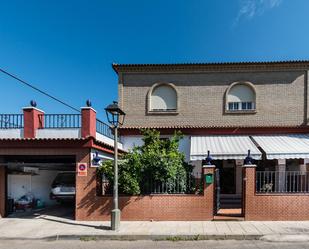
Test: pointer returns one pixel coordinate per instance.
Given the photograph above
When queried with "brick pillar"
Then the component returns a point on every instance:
(88, 122)
(280, 168)
(85, 186)
(33, 120)
(248, 189)
(2, 191)
(209, 188)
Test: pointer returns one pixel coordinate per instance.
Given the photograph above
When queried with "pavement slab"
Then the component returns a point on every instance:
(49, 227)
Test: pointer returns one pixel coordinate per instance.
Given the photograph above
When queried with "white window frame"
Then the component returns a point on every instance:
(237, 107)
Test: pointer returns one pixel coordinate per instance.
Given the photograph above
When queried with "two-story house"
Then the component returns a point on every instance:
(229, 109)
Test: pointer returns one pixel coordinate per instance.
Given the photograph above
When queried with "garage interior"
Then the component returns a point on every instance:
(28, 186)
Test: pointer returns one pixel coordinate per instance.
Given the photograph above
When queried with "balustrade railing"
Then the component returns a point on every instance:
(282, 182)
(104, 129)
(11, 121)
(60, 121)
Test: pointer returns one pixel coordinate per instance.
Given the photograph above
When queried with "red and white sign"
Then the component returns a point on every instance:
(82, 169)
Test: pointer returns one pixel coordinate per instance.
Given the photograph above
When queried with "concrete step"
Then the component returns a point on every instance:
(238, 205)
(230, 201)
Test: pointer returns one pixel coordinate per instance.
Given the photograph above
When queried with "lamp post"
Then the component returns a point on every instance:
(115, 117)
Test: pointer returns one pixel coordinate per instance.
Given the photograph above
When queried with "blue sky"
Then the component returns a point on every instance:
(66, 47)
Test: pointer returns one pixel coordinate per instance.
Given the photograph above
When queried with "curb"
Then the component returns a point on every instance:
(141, 237)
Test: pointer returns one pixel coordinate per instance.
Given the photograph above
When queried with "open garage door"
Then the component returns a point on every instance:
(40, 185)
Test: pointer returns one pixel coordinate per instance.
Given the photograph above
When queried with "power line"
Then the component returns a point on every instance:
(37, 89)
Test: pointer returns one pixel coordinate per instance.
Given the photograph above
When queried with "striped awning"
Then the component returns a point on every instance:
(223, 147)
(286, 146)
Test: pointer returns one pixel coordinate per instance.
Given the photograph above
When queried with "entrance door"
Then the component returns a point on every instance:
(227, 176)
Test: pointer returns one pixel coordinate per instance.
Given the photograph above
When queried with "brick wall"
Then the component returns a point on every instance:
(2, 191)
(272, 206)
(201, 97)
(153, 207)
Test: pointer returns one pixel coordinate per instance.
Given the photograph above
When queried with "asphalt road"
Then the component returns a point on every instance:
(76, 244)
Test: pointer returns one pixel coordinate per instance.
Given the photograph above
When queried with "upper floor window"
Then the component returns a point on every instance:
(163, 98)
(240, 97)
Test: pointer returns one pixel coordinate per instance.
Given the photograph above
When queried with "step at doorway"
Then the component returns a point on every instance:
(230, 201)
(229, 214)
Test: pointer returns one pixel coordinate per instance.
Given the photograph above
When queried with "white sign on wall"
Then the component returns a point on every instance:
(101, 155)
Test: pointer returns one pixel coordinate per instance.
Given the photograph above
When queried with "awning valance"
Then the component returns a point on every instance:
(223, 147)
(287, 146)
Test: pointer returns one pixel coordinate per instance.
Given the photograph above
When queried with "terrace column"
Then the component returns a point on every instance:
(89, 120)
(33, 120)
(280, 175)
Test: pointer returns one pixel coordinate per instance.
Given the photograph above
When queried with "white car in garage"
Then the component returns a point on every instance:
(63, 187)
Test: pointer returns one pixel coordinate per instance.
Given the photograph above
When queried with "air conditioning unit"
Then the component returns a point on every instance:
(32, 170)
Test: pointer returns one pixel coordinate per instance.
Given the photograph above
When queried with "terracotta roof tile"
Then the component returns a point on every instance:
(119, 67)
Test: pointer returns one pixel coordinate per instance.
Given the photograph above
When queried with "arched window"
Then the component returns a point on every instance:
(163, 97)
(240, 97)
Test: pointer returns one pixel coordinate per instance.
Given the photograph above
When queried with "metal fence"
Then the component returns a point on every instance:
(191, 184)
(180, 185)
(282, 182)
(104, 129)
(11, 121)
(173, 186)
(60, 120)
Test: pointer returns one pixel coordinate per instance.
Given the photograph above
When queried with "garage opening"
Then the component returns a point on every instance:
(40, 185)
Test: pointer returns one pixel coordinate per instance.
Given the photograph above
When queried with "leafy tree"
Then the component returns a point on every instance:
(157, 160)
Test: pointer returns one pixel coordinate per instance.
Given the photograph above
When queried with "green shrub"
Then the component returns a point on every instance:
(157, 160)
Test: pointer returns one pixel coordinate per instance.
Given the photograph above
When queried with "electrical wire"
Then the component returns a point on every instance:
(38, 90)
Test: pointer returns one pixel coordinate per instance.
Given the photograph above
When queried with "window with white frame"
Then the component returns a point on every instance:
(241, 97)
(163, 98)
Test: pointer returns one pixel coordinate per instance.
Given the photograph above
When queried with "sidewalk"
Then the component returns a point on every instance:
(49, 227)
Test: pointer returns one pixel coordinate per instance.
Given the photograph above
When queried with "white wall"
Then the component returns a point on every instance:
(59, 133)
(11, 133)
(108, 140)
(130, 141)
(38, 185)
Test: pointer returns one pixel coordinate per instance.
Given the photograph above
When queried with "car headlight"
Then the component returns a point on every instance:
(56, 190)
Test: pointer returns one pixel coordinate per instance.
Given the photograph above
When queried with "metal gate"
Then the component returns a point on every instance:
(217, 190)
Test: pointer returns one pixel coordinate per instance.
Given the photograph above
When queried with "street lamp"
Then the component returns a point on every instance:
(115, 117)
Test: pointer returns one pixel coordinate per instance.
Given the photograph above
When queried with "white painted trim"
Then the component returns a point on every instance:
(88, 108)
(31, 107)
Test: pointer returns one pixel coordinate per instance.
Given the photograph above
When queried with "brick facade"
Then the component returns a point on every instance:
(272, 206)
(151, 207)
(201, 97)
(2, 191)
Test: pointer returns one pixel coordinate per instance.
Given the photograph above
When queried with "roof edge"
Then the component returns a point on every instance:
(182, 66)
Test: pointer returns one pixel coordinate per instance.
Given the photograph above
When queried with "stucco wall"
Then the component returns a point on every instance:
(280, 98)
